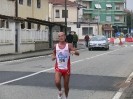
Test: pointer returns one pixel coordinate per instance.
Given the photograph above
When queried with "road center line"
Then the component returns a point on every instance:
(20, 78)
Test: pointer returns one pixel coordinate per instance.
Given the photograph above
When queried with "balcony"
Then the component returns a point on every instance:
(88, 11)
(116, 1)
(87, 0)
(119, 13)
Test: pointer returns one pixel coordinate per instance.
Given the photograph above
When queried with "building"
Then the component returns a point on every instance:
(75, 19)
(57, 14)
(25, 26)
(105, 14)
(7, 8)
(38, 9)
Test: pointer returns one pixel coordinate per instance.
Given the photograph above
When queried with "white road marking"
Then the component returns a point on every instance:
(7, 82)
(45, 70)
(18, 60)
(121, 90)
(117, 95)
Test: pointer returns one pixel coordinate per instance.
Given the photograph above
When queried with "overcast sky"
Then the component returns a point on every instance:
(130, 4)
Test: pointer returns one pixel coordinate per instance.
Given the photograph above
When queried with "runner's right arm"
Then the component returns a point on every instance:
(54, 53)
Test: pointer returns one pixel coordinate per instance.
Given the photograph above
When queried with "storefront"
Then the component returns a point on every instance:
(107, 30)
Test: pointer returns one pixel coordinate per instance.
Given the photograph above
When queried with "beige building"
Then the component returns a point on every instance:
(7, 7)
(33, 8)
(37, 9)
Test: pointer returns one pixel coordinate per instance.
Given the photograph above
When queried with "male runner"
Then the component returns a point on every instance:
(61, 53)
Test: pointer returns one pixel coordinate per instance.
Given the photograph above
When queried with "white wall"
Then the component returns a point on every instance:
(79, 30)
(72, 14)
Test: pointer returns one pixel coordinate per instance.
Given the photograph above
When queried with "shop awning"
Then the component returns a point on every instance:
(107, 28)
(97, 6)
(109, 5)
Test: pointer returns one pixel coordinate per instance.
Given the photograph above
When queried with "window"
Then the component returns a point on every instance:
(117, 18)
(108, 18)
(38, 3)
(20, 1)
(23, 25)
(68, 30)
(97, 6)
(117, 7)
(38, 27)
(90, 30)
(63, 13)
(2, 23)
(29, 25)
(57, 14)
(85, 30)
(7, 24)
(29, 2)
(97, 18)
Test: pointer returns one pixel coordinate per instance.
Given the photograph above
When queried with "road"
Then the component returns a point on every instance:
(95, 75)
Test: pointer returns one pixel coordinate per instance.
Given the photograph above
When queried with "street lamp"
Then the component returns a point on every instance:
(66, 17)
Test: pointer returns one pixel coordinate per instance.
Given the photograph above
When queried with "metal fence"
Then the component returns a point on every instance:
(33, 35)
(7, 36)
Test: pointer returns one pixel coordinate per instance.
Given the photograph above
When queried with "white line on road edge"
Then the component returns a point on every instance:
(20, 78)
(121, 90)
(25, 59)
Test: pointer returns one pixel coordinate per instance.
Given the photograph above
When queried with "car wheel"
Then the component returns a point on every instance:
(108, 48)
(89, 49)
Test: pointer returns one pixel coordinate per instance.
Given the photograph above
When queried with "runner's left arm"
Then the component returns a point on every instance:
(73, 50)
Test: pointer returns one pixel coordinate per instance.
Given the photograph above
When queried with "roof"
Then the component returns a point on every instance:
(31, 20)
(62, 2)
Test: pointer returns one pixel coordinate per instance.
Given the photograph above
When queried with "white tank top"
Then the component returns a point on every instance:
(62, 57)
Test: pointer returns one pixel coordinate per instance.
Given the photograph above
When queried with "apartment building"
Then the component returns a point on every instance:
(106, 14)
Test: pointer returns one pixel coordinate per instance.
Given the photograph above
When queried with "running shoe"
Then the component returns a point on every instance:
(60, 95)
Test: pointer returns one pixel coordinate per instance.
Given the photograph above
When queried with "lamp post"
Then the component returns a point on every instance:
(98, 16)
(66, 17)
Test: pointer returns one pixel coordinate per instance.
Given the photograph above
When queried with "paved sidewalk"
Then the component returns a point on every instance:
(128, 92)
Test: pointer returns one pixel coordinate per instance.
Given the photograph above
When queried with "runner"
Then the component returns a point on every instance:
(61, 53)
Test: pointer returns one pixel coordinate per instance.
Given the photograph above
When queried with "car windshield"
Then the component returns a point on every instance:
(98, 38)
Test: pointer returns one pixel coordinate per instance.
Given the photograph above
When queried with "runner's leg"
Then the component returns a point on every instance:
(66, 84)
(58, 80)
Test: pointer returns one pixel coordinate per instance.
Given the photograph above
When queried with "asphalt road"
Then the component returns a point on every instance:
(95, 75)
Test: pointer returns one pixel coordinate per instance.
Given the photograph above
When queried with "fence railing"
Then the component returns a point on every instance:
(33, 35)
(7, 36)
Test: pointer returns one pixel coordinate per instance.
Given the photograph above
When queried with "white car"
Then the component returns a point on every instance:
(98, 41)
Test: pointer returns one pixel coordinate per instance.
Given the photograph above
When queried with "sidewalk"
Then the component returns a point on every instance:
(128, 92)
(9, 57)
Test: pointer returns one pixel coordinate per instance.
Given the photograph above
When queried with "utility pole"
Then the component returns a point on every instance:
(98, 17)
(16, 8)
(66, 17)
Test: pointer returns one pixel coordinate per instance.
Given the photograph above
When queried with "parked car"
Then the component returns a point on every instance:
(98, 41)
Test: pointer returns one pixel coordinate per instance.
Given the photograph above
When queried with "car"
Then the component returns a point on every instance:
(98, 41)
